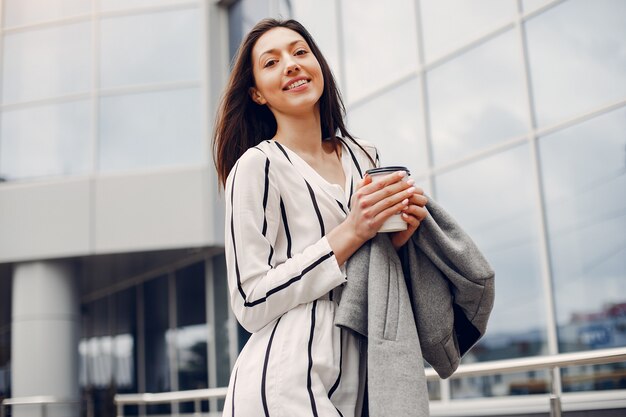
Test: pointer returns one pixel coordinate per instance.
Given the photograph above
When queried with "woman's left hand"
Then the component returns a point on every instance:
(414, 214)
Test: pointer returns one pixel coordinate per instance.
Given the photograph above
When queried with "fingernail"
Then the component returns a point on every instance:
(411, 182)
(405, 201)
(402, 174)
(410, 190)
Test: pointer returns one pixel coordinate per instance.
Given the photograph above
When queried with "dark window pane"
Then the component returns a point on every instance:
(191, 332)
(157, 336)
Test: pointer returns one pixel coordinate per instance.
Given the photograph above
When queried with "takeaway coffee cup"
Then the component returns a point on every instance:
(395, 222)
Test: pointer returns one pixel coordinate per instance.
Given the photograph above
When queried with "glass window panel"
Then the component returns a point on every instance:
(125, 341)
(151, 130)
(519, 383)
(46, 62)
(5, 364)
(398, 135)
(374, 55)
(157, 340)
(319, 18)
(192, 332)
(493, 200)
(222, 307)
(609, 376)
(24, 12)
(477, 99)
(106, 5)
(151, 48)
(60, 143)
(450, 24)
(96, 347)
(584, 170)
(242, 16)
(502, 220)
(575, 62)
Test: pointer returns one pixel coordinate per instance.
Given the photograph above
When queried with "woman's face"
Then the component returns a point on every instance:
(288, 78)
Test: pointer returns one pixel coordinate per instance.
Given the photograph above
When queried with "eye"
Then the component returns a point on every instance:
(301, 52)
(269, 63)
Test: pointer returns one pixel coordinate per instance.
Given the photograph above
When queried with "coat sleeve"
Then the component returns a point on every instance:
(451, 285)
(260, 289)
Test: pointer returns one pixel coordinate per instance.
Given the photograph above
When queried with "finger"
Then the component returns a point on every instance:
(393, 178)
(382, 216)
(418, 200)
(412, 221)
(388, 200)
(367, 179)
(420, 213)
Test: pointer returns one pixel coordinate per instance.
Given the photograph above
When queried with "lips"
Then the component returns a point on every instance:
(295, 83)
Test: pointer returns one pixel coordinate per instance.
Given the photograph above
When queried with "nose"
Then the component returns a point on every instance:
(291, 66)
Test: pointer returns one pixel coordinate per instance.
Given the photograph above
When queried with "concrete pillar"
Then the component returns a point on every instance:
(44, 343)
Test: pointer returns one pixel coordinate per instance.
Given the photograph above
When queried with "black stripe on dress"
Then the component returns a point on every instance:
(317, 210)
(286, 224)
(356, 162)
(233, 395)
(313, 199)
(264, 377)
(351, 191)
(336, 384)
(288, 283)
(265, 193)
(232, 232)
(283, 151)
(341, 207)
(269, 258)
(308, 376)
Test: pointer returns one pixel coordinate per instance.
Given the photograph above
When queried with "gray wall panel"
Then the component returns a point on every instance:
(151, 211)
(44, 220)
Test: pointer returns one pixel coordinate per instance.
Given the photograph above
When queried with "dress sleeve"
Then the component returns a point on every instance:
(260, 290)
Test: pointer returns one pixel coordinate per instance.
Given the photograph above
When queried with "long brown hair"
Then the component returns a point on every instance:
(242, 123)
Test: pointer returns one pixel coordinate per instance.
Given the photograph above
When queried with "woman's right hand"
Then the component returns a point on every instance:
(371, 205)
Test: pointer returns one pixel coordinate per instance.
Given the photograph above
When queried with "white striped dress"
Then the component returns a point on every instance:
(281, 276)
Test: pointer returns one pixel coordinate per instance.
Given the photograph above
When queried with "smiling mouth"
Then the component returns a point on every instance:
(296, 84)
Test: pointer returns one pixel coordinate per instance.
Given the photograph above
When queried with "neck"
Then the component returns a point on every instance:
(300, 133)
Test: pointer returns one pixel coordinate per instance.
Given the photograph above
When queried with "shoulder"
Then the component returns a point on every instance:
(251, 164)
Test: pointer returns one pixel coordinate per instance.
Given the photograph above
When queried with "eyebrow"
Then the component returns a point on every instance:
(273, 50)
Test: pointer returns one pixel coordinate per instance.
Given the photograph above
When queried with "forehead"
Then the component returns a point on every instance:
(276, 38)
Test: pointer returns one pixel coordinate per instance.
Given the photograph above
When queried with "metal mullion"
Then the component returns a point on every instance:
(209, 292)
(207, 191)
(47, 24)
(46, 101)
(340, 49)
(95, 121)
(1, 74)
(540, 206)
(426, 128)
(140, 11)
(444, 384)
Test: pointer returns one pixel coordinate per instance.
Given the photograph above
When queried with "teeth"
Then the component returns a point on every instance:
(296, 84)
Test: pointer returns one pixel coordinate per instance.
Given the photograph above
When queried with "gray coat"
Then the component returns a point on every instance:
(430, 301)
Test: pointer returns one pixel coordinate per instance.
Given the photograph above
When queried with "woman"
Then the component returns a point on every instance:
(297, 207)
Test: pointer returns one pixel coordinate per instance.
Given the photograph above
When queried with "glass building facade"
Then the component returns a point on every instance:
(510, 113)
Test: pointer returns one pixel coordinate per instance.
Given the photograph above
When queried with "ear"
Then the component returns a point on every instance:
(256, 96)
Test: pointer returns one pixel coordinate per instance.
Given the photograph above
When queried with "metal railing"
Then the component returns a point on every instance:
(553, 362)
(196, 396)
(41, 400)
